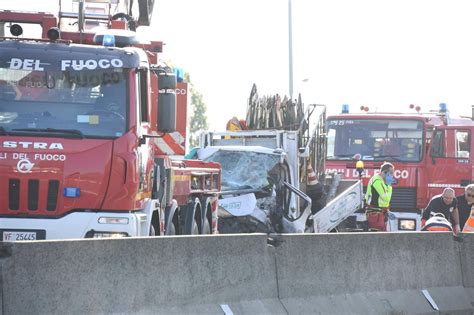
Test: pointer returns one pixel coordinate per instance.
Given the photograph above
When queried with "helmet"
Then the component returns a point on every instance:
(438, 223)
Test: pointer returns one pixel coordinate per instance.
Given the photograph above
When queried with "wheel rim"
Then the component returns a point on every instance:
(152, 231)
(206, 229)
(195, 229)
(171, 229)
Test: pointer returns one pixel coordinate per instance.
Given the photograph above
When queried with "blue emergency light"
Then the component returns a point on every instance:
(442, 107)
(179, 74)
(71, 192)
(108, 40)
(345, 109)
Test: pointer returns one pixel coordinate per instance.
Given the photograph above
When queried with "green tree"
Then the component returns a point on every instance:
(198, 120)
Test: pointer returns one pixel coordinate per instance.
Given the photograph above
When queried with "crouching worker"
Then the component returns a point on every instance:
(444, 204)
(378, 196)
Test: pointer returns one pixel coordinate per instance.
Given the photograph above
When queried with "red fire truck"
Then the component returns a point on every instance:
(430, 151)
(92, 131)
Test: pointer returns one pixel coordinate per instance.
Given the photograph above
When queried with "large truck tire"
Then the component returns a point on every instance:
(172, 219)
(152, 231)
(191, 214)
(171, 228)
(206, 216)
(154, 224)
(206, 227)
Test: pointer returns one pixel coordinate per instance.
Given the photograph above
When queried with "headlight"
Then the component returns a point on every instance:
(407, 224)
(96, 234)
(113, 220)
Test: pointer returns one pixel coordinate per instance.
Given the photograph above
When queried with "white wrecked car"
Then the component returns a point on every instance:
(258, 191)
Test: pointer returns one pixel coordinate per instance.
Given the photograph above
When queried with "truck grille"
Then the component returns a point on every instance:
(14, 194)
(403, 199)
(32, 190)
(52, 195)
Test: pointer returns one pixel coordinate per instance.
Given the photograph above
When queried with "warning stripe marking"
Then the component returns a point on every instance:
(445, 185)
(177, 148)
(170, 144)
(163, 146)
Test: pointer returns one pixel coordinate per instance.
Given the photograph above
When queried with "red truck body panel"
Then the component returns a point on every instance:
(114, 172)
(418, 179)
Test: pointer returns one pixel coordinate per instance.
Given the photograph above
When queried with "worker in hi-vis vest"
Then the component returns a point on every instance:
(466, 209)
(378, 196)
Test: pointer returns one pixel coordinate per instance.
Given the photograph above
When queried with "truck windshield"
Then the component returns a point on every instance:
(242, 170)
(91, 103)
(375, 139)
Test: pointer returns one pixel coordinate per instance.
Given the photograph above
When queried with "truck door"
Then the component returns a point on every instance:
(462, 161)
(458, 158)
(437, 166)
(451, 160)
(145, 156)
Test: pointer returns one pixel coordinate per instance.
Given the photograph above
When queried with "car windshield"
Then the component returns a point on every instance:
(375, 139)
(91, 103)
(243, 170)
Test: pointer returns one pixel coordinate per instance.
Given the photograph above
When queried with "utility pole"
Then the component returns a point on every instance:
(290, 50)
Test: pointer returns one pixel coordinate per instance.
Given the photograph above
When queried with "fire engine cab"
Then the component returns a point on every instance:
(88, 123)
(430, 151)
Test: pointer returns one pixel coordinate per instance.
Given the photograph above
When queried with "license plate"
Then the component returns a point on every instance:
(14, 236)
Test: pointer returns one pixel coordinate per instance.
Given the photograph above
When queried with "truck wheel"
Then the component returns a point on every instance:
(152, 231)
(207, 215)
(192, 215)
(171, 229)
(206, 227)
(154, 224)
(195, 228)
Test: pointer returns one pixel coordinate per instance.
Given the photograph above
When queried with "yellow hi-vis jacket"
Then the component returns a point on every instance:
(378, 193)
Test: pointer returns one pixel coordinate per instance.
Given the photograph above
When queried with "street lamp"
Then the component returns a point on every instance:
(290, 51)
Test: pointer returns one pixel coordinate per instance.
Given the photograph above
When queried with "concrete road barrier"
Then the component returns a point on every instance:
(240, 274)
(137, 275)
(467, 265)
(373, 273)
(467, 259)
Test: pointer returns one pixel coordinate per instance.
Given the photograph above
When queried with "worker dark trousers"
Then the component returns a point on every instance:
(376, 218)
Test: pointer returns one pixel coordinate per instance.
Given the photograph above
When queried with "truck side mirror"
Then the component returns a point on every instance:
(166, 102)
(166, 111)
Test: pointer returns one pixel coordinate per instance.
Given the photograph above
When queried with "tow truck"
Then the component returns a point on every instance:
(265, 171)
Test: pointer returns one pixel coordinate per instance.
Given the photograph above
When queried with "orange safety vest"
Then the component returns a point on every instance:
(469, 225)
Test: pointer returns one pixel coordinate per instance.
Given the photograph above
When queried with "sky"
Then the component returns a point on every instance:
(382, 54)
